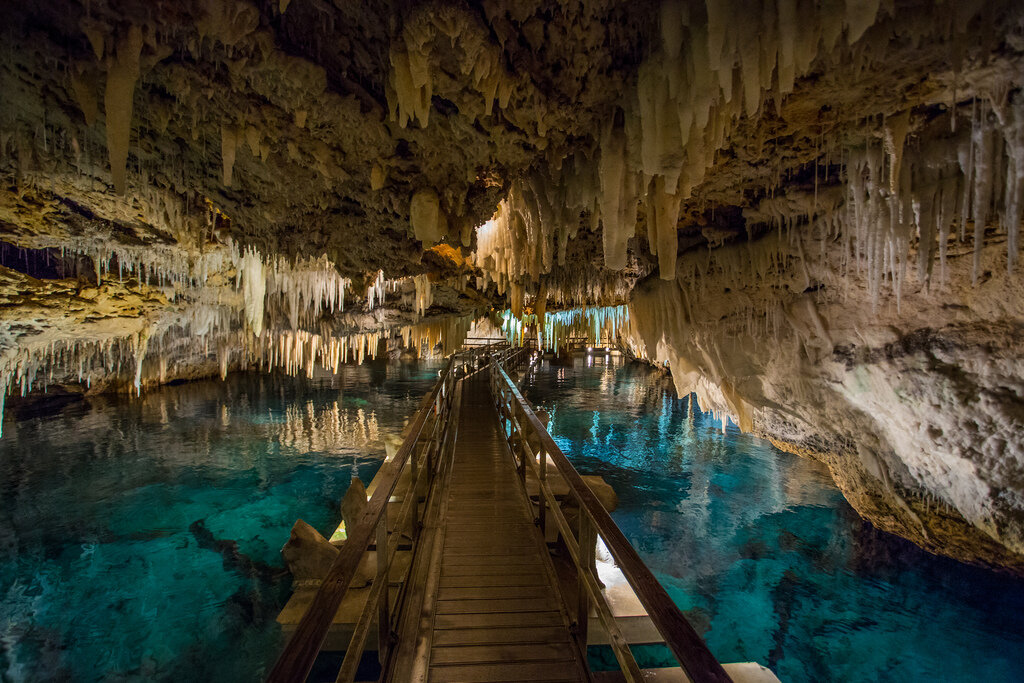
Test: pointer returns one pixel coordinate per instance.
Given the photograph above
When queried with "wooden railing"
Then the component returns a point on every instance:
(576, 344)
(427, 444)
(474, 342)
(521, 427)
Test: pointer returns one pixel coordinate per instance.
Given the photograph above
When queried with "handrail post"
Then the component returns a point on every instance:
(430, 444)
(519, 436)
(585, 542)
(542, 478)
(415, 485)
(383, 611)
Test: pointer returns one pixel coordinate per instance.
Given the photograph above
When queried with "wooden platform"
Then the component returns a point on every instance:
(496, 613)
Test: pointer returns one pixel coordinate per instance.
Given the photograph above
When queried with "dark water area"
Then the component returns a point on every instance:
(140, 537)
(762, 552)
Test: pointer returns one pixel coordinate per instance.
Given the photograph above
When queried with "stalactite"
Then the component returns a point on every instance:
(423, 293)
(427, 220)
(228, 143)
(122, 73)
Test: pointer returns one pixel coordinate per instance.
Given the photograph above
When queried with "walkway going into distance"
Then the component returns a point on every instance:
(480, 538)
(497, 612)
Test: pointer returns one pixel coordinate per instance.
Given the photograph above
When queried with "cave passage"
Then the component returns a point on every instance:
(807, 214)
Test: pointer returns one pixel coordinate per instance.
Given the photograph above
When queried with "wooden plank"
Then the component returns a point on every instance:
(457, 549)
(471, 524)
(505, 506)
(503, 652)
(512, 538)
(479, 545)
(483, 483)
(473, 497)
(507, 634)
(499, 673)
(497, 531)
(490, 606)
(495, 535)
(496, 592)
(510, 579)
(498, 620)
(452, 569)
(460, 559)
(492, 511)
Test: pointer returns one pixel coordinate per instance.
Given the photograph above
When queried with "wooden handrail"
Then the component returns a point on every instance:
(296, 660)
(688, 647)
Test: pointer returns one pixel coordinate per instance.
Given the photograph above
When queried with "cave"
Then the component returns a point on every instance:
(763, 257)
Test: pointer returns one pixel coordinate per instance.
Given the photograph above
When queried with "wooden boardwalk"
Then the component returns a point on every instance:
(497, 611)
(479, 599)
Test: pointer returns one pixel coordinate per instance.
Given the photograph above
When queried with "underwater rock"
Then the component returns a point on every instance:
(392, 442)
(354, 503)
(308, 554)
(603, 490)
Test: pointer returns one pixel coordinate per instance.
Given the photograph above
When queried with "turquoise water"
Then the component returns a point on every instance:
(763, 553)
(140, 538)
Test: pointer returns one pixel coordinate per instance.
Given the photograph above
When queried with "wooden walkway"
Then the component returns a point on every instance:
(497, 612)
(479, 599)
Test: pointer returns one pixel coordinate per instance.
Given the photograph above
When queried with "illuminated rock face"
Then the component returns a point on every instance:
(917, 410)
(812, 208)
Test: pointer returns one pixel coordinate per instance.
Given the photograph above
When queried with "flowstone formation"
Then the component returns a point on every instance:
(808, 209)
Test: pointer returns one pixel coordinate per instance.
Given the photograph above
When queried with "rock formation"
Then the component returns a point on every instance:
(811, 208)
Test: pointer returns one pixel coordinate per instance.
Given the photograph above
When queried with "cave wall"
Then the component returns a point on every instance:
(915, 407)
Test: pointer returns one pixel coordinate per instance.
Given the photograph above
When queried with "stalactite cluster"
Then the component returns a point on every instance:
(810, 209)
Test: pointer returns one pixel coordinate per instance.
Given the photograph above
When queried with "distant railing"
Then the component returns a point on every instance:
(576, 344)
(520, 426)
(428, 442)
(473, 342)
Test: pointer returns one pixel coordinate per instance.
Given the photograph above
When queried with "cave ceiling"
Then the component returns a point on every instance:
(283, 117)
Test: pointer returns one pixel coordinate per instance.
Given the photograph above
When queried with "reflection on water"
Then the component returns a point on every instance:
(140, 538)
(763, 553)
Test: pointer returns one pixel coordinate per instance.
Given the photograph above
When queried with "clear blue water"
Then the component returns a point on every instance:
(140, 538)
(763, 554)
